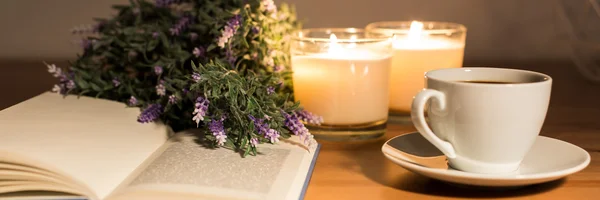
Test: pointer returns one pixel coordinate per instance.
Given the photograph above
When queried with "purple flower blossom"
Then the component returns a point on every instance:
(158, 70)
(270, 90)
(85, 43)
(198, 51)
(278, 68)
(196, 76)
(269, 5)
(172, 99)
(309, 117)
(155, 35)
(230, 57)
(255, 29)
(293, 123)
(165, 3)
(180, 26)
(116, 82)
(70, 84)
(55, 71)
(56, 88)
(201, 109)
(133, 101)
(160, 89)
(185, 91)
(217, 129)
(86, 29)
(98, 27)
(254, 142)
(229, 30)
(151, 113)
(263, 129)
(193, 36)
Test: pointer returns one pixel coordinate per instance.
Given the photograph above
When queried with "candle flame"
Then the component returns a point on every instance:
(352, 40)
(416, 30)
(334, 47)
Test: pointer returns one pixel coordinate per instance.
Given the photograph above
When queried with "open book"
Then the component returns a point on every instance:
(85, 148)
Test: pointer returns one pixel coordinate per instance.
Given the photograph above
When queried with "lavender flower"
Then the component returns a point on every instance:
(155, 35)
(254, 142)
(116, 82)
(217, 129)
(268, 6)
(180, 26)
(263, 129)
(309, 117)
(172, 99)
(151, 113)
(70, 84)
(293, 123)
(255, 29)
(165, 3)
(160, 88)
(193, 36)
(133, 101)
(270, 90)
(196, 76)
(83, 29)
(278, 68)
(229, 30)
(201, 110)
(85, 43)
(57, 89)
(198, 51)
(230, 57)
(98, 27)
(268, 61)
(55, 71)
(158, 70)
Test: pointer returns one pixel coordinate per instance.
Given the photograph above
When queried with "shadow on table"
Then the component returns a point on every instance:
(419, 184)
(376, 167)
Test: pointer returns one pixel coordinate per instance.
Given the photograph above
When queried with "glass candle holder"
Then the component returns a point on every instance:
(418, 47)
(342, 75)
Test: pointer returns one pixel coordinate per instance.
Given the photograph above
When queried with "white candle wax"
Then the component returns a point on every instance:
(412, 58)
(344, 88)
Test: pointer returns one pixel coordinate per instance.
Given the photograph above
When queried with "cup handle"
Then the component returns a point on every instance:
(418, 118)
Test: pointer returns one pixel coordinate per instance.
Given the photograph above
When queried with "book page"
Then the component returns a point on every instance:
(186, 168)
(94, 142)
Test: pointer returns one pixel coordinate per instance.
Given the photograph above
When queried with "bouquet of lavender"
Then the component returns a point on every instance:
(221, 66)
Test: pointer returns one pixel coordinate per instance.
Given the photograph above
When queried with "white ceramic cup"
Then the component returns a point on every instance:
(482, 127)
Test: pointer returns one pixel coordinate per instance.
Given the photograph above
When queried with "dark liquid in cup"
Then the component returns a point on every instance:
(490, 82)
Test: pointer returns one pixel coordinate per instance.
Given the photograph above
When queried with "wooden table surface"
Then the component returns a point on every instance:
(360, 171)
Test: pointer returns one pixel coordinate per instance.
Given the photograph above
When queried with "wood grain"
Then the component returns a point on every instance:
(358, 170)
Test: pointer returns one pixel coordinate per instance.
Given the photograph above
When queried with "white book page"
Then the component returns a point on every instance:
(96, 142)
(187, 170)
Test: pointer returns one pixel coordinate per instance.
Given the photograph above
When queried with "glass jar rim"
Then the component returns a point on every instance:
(373, 37)
(453, 28)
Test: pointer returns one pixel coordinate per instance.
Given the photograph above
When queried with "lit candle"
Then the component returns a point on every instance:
(417, 50)
(346, 82)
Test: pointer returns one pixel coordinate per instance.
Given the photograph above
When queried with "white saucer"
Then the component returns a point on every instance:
(549, 159)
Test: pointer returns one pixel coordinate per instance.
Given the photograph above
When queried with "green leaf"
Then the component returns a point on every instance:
(81, 83)
(95, 87)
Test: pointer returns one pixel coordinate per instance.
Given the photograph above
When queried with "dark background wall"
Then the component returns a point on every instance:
(507, 30)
